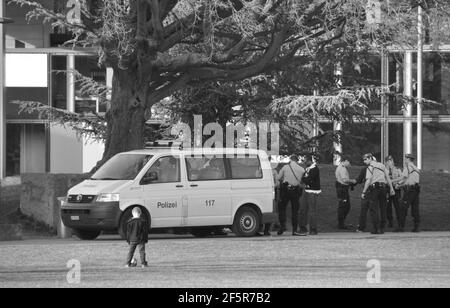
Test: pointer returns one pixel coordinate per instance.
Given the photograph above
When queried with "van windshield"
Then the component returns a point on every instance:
(122, 167)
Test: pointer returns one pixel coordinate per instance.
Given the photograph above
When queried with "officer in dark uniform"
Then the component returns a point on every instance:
(411, 192)
(376, 188)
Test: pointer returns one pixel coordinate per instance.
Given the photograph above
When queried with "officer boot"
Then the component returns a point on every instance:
(375, 229)
(282, 229)
(416, 228)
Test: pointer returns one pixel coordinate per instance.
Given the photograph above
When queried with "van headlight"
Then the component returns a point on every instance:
(107, 198)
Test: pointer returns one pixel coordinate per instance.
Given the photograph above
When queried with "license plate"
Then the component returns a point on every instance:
(75, 218)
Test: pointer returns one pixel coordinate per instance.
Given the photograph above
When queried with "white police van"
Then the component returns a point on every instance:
(197, 190)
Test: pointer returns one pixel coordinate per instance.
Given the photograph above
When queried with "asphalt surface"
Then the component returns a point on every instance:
(326, 260)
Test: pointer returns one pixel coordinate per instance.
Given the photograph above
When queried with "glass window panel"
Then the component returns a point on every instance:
(360, 139)
(436, 83)
(205, 168)
(326, 142)
(59, 82)
(245, 168)
(13, 132)
(396, 142)
(24, 94)
(167, 168)
(87, 102)
(436, 146)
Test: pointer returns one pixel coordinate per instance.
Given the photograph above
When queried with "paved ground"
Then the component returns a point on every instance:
(328, 260)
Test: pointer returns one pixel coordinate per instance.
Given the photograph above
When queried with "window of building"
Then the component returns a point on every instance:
(361, 138)
(26, 70)
(436, 83)
(13, 132)
(436, 146)
(59, 81)
(395, 131)
(85, 103)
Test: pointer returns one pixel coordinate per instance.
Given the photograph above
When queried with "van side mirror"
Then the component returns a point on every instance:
(149, 178)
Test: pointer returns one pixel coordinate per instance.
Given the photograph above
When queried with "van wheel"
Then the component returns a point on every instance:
(87, 235)
(201, 232)
(246, 222)
(123, 223)
(124, 220)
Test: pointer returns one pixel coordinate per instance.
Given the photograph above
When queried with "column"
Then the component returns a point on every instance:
(337, 144)
(315, 128)
(419, 89)
(384, 107)
(408, 112)
(2, 96)
(71, 82)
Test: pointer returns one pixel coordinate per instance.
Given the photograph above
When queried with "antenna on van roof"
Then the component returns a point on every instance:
(164, 144)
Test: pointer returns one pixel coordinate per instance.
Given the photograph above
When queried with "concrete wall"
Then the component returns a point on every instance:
(40, 193)
(70, 154)
(10, 189)
(65, 151)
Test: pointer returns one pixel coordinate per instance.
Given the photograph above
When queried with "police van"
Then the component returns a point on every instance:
(194, 190)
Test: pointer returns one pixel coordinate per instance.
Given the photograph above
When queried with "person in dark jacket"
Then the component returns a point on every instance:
(308, 212)
(137, 236)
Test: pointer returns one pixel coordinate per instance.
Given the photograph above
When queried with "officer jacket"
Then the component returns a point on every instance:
(412, 175)
(292, 174)
(376, 173)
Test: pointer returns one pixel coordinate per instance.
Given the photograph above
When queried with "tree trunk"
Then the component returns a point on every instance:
(126, 117)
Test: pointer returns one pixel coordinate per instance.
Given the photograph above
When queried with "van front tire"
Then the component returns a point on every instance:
(87, 235)
(246, 222)
(126, 217)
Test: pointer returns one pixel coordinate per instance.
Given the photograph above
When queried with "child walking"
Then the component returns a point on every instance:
(137, 236)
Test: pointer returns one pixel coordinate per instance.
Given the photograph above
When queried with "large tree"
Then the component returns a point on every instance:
(157, 47)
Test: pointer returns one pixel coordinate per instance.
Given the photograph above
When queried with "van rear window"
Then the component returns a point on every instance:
(246, 168)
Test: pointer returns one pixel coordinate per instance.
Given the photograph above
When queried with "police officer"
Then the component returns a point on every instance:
(411, 192)
(290, 176)
(343, 183)
(396, 177)
(375, 190)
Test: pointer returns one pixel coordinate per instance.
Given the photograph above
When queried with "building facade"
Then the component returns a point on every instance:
(34, 62)
(38, 69)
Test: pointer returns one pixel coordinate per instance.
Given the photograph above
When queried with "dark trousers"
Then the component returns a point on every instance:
(377, 195)
(141, 247)
(308, 212)
(365, 205)
(411, 199)
(293, 196)
(394, 204)
(344, 203)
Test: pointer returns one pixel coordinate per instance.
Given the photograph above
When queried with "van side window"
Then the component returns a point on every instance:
(205, 168)
(167, 168)
(246, 168)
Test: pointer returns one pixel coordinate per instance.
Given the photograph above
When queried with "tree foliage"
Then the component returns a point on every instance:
(160, 47)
